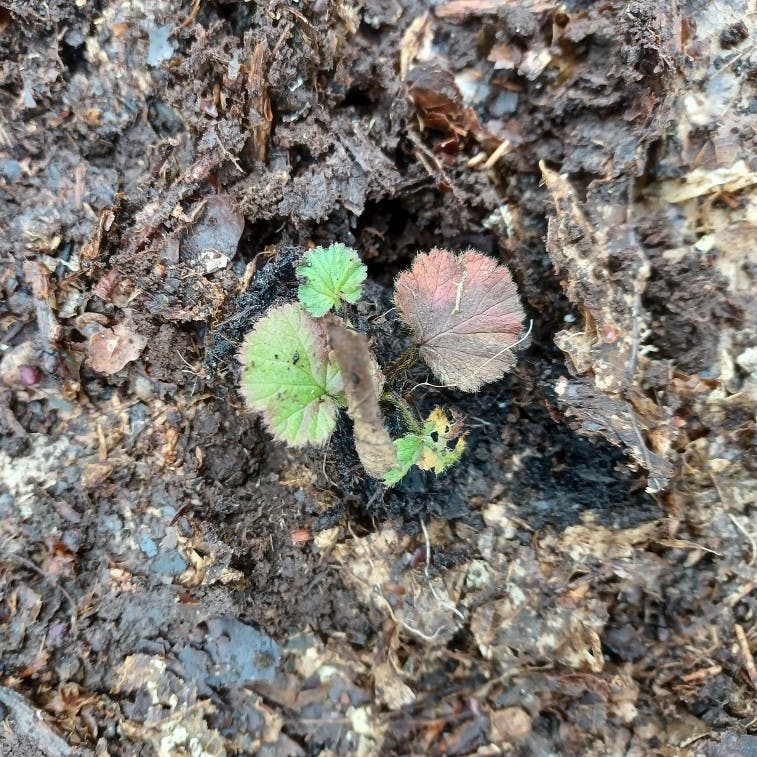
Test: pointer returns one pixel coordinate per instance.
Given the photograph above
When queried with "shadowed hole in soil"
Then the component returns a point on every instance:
(550, 473)
(72, 54)
(389, 236)
(361, 99)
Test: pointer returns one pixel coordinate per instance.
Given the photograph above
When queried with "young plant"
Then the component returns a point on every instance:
(301, 364)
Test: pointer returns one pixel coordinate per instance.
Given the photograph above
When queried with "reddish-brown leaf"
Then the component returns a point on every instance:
(465, 313)
(111, 349)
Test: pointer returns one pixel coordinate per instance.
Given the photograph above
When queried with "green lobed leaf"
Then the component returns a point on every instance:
(331, 275)
(409, 449)
(429, 450)
(288, 378)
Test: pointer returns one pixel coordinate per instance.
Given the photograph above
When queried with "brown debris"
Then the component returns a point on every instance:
(604, 352)
(440, 106)
(510, 724)
(110, 350)
(534, 599)
(594, 412)
(27, 728)
(416, 43)
(259, 111)
(362, 385)
(459, 10)
(49, 329)
(746, 653)
(93, 247)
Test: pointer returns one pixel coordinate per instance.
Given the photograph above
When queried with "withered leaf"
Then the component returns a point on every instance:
(593, 412)
(465, 313)
(362, 385)
(439, 103)
(111, 349)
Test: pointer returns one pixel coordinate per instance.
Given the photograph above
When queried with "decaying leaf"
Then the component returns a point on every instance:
(605, 350)
(362, 385)
(175, 717)
(593, 412)
(391, 690)
(288, 378)
(704, 181)
(112, 349)
(465, 313)
(375, 565)
(91, 249)
(440, 105)
(430, 449)
(331, 275)
(510, 629)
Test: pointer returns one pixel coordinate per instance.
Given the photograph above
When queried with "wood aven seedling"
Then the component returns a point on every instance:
(303, 364)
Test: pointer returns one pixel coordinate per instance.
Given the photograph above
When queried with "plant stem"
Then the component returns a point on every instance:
(407, 412)
(402, 363)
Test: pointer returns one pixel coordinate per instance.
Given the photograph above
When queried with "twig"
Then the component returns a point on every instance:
(748, 536)
(700, 675)
(504, 147)
(693, 739)
(746, 653)
(728, 64)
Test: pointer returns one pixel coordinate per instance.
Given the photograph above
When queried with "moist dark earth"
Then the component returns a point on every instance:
(173, 581)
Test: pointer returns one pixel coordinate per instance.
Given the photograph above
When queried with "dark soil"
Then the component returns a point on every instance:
(174, 582)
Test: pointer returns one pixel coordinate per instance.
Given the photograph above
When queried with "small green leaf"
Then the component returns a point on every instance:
(438, 432)
(429, 450)
(409, 449)
(331, 275)
(287, 376)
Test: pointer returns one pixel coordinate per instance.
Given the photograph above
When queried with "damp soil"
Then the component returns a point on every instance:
(173, 581)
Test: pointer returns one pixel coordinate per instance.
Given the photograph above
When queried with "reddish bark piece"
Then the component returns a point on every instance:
(465, 313)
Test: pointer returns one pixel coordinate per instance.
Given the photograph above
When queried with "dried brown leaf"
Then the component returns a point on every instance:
(440, 105)
(465, 313)
(362, 386)
(111, 349)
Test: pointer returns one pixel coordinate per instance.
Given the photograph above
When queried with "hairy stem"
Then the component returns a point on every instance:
(403, 363)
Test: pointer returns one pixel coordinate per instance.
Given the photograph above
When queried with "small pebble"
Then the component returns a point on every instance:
(12, 170)
(147, 545)
(30, 375)
(510, 724)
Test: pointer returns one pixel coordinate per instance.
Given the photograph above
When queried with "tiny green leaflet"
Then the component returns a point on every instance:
(429, 449)
(331, 275)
